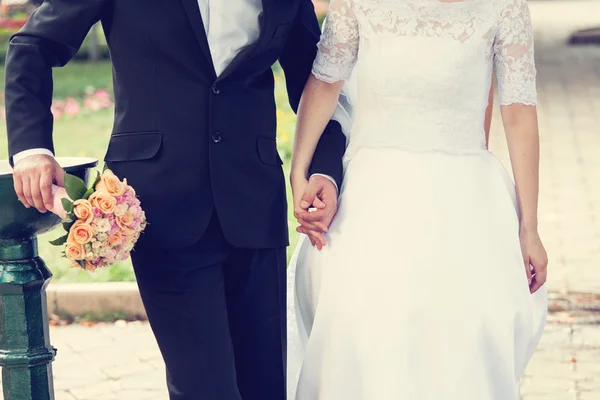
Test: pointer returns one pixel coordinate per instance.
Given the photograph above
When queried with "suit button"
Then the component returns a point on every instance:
(216, 90)
(216, 137)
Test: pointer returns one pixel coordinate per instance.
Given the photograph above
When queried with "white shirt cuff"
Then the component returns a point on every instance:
(330, 178)
(32, 152)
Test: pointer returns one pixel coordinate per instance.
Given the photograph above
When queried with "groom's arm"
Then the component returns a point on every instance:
(50, 38)
(297, 60)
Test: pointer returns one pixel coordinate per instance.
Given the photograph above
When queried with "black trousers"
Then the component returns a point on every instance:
(219, 316)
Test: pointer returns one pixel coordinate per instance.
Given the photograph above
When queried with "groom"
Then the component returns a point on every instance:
(195, 134)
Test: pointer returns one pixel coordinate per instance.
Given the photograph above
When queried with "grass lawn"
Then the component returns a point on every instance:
(72, 80)
(87, 134)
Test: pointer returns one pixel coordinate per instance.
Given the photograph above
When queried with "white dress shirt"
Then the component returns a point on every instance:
(230, 27)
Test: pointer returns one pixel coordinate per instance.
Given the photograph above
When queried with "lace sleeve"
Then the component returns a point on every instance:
(338, 48)
(513, 55)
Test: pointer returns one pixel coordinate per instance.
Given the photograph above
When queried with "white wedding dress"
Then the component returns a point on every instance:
(421, 293)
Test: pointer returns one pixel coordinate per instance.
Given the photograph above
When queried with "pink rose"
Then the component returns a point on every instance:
(114, 228)
(135, 210)
(111, 254)
(97, 213)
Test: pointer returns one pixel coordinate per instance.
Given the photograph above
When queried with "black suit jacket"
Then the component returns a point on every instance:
(188, 142)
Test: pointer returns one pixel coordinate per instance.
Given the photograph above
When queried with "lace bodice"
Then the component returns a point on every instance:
(424, 67)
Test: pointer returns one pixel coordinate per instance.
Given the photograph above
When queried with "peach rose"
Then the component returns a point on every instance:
(129, 189)
(126, 222)
(81, 232)
(83, 210)
(110, 184)
(127, 231)
(74, 250)
(115, 240)
(125, 219)
(104, 201)
(130, 237)
(89, 266)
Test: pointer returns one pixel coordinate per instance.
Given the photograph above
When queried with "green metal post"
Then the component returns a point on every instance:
(25, 351)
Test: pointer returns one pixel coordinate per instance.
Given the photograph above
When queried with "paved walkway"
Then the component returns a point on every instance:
(121, 361)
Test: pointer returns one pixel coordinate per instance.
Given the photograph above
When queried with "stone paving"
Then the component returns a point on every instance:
(121, 361)
(108, 362)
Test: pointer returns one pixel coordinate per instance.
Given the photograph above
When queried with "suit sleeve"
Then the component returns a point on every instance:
(297, 61)
(50, 38)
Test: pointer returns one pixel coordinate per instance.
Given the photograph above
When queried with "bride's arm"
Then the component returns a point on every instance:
(516, 77)
(521, 126)
(488, 115)
(317, 105)
(335, 60)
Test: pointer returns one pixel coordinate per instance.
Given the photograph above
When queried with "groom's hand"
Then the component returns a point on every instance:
(321, 195)
(33, 178)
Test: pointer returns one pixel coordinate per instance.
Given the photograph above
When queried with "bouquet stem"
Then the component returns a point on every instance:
(58, 194)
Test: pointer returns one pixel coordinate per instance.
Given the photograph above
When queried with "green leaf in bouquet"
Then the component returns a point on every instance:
(88, 193)
(81, 263)
(68, 224)
(75, 187)
(97, 179)
(67, 204)
(60, 241)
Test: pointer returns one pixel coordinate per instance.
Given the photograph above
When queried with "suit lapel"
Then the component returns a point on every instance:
(193, 12)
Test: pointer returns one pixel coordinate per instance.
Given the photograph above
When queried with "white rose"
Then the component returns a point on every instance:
(121, 210)
(102, 225)
(102, 237)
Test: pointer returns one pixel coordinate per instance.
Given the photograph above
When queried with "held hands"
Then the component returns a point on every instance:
(534, 255)
(318, 193)
(33, 179)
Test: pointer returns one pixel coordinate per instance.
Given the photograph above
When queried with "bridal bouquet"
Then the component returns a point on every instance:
(103, 222)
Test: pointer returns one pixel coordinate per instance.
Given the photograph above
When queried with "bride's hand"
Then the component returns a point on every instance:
(321, 194)
(534, 255)
(299, 184)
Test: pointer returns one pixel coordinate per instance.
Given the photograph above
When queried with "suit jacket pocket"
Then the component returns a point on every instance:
(133, 146)
(267, 151)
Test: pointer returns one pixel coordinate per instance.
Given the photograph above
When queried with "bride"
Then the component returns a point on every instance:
(431, 286)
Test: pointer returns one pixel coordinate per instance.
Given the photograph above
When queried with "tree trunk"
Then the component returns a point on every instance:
(93, 45)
